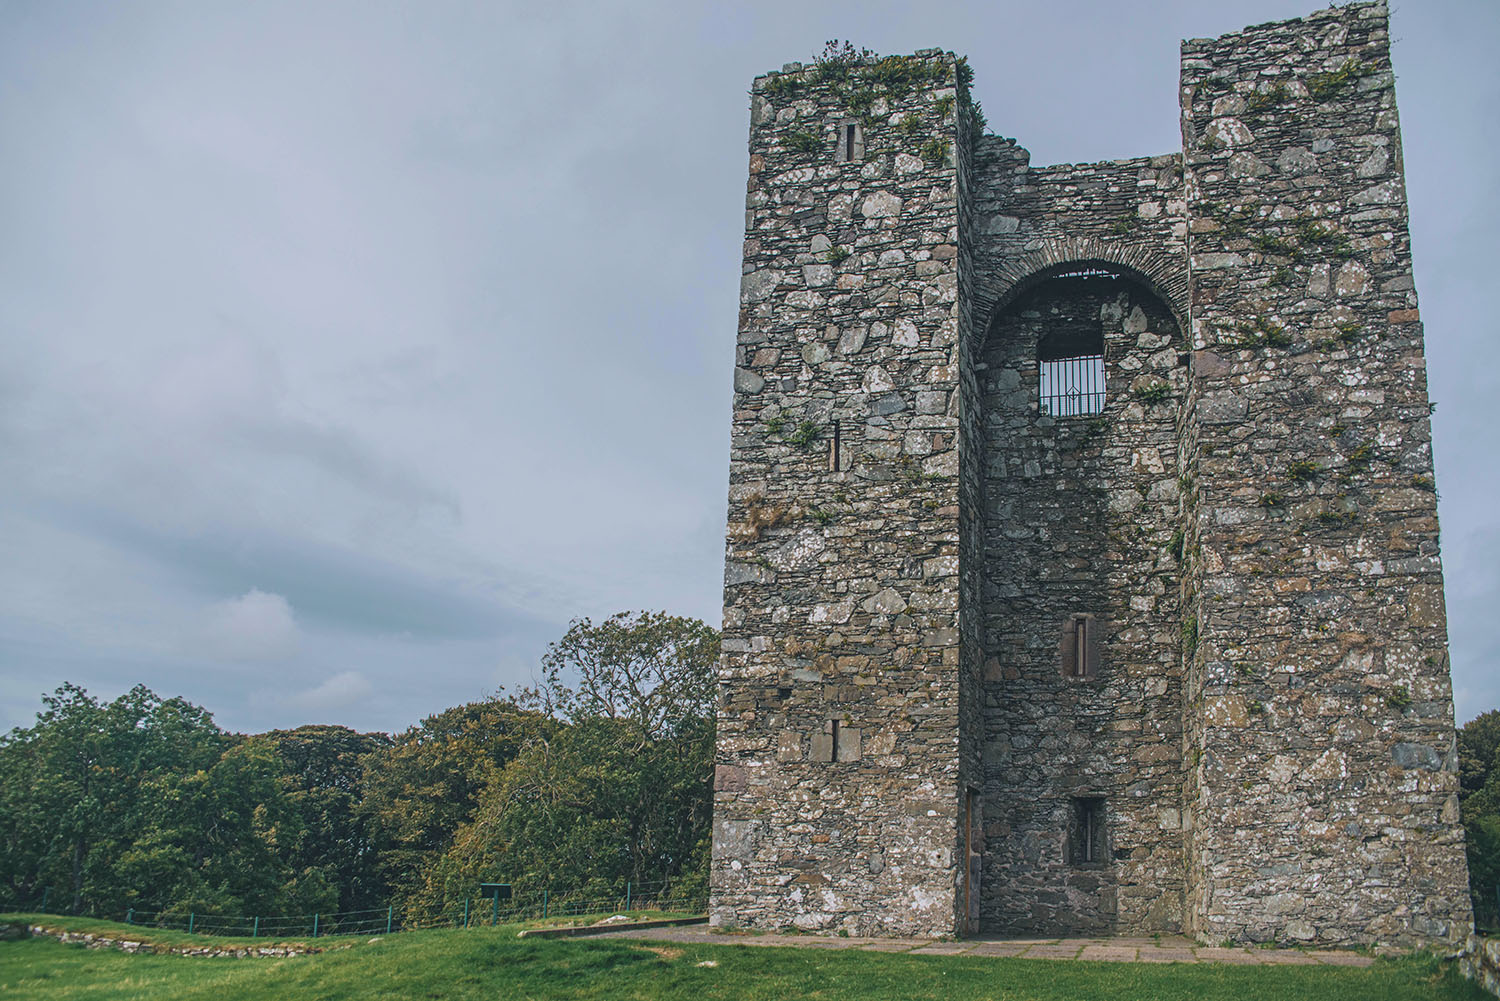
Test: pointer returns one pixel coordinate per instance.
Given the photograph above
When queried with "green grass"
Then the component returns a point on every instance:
(492, 963)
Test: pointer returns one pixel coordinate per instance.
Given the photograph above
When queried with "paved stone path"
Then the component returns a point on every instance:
(1166, 949)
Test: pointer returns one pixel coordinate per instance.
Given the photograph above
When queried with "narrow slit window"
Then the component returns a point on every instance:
(851, 142)
(1080, 647)
(1072, 373)
(1087, 840)
(833, 449)
(833, 729)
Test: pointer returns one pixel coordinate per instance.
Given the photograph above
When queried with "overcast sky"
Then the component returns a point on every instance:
(349, 350)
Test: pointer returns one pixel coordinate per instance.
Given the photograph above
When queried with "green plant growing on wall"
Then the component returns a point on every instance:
(1174, 545)
(897, 76)
(783, 87)
(838, 59)
(1123, 224)
(972, 110)
(837, 255)
(1326, 237)
(1233, 222)
(801, 141)
(807, 432)
(1261, 99)
(1336, 519)
(1345, 333)
(1276, 246)
(775, 424)
(1258, 332)
(1303, 471)
(935, 152)
(911, 125)
(860, 100)
(1153, 392)
(1422, 482)
(1189, 636)
(821, 515)
(1271, 500)
(1360, 459)
(1398, 697)
(1322, 86)
(943, 106)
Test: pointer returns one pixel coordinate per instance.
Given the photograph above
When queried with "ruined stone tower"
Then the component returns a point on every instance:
(1082, 562)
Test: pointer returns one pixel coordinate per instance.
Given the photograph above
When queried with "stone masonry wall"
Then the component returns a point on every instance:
(1082, 512)
(837, 770)
(1251, 521)
(1081, 515)
(1320, 752)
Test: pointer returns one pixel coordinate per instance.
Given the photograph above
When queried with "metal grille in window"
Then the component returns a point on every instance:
(1073, 386)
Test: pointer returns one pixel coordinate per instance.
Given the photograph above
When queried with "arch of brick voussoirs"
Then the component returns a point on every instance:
(1167, 279)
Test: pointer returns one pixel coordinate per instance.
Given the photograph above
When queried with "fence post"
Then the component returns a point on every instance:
(627, 894)
(129, 913)
(192, 917)
(388, 911)
(46, 892)
(544, 903)
(315, 926)
(255, 929)
(466, 912)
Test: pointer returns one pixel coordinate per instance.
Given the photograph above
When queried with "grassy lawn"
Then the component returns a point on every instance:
(492, 963)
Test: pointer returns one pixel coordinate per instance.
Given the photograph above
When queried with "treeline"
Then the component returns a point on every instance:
(598, 775)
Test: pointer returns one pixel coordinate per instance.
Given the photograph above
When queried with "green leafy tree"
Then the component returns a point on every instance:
(419, 790)
(213, 840)
(1479, 793)
(616, 786)
(328, 849)
(74, 790)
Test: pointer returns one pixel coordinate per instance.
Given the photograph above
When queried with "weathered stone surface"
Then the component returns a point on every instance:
(1255, 722)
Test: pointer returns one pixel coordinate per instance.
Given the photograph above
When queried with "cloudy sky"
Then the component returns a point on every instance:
(349, 350)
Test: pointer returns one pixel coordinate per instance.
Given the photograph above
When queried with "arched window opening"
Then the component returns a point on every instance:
(1072, 372)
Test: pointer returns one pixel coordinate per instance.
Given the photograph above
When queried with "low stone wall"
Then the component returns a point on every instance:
(1482, 964)
(90, 940)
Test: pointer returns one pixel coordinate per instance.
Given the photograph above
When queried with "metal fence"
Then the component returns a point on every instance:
(467, 912)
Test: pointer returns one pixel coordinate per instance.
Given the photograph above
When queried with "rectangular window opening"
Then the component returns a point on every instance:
(1080, 647)
(1072, 387)
(833, 449)
(849, 142)
(1087, 841)
(833, 729)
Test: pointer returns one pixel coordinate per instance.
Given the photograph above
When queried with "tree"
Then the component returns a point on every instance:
(210, 840)
(328, 849)
(72, 789)
(617, 786)
(421, 788)
(1479, 795)
(649, 669)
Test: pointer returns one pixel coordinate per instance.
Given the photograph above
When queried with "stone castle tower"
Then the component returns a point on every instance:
(1082, 560)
